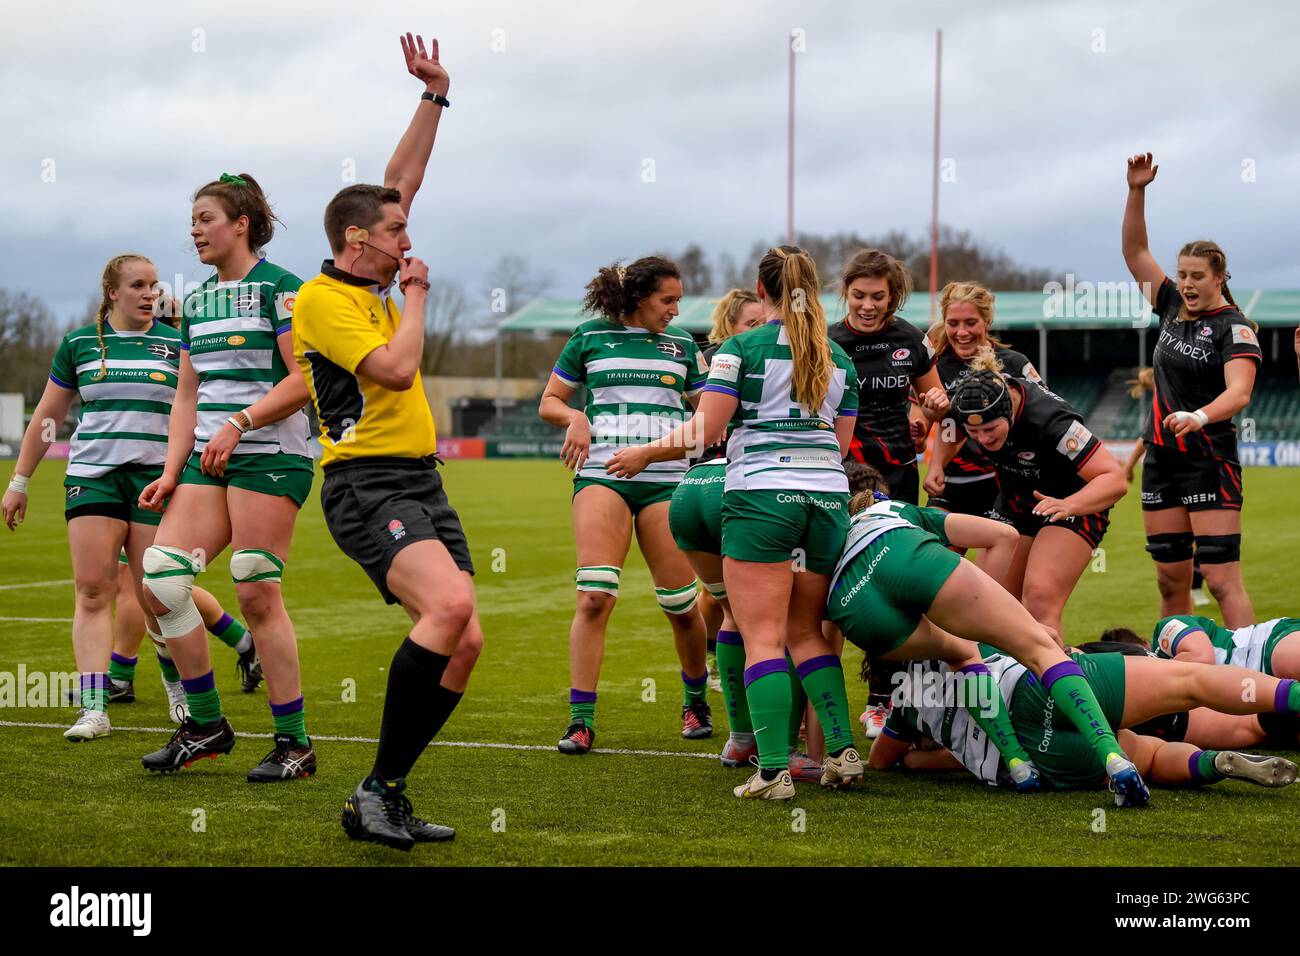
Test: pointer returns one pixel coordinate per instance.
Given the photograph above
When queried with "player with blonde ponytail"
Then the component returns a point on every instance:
(789, 396)
(123, 367)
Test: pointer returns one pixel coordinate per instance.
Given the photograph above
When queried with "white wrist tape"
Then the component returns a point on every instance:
(18, 483)
(1197, 416)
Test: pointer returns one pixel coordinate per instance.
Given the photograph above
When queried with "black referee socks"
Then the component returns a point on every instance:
(415, 708)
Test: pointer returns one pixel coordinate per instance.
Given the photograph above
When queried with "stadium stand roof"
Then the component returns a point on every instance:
(1085, 306)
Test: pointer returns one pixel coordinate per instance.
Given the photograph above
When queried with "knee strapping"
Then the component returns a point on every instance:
(160, 645)
(1170, 548)
(719, 590)
(678, 600)
(250, 565)
(169, 576)
(602, 578)
(1218, 548)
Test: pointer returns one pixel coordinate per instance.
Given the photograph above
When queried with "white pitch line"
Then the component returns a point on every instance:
(467, 744)
(38, 620)
(35, 584)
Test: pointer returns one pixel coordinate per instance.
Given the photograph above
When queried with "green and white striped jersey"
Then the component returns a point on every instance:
(637, 385)
(870, 523)
(927, 702)
(124, 414)
(230, 330)
(775, 442)
(1247, 646)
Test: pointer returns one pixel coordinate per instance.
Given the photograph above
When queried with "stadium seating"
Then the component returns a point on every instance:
(1081, 391)
(1274, 407)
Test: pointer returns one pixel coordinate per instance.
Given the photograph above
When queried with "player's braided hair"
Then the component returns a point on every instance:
(617, 290)
(789, 276)
(241, 196)
(109, 281)
(983, 395)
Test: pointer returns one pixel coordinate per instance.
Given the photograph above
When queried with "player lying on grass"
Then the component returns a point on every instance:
(790, 397)
(123, 368)
(900, 593)
(1130, 690)
(642, 377)
(1201, 726)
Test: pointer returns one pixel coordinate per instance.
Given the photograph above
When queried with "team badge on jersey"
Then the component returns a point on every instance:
(247, 301)
(397, 529)
(1168, 636)
(284, 305)
(1205, 332)
(726, 367)
(162, 350)
(1244, 333)
(1074, 440)
(669, 347)
(901, 354)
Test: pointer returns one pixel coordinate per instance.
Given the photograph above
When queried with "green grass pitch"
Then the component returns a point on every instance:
(93, 803)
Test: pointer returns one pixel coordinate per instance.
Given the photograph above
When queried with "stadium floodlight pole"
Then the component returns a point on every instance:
(789, 177)
(934, 192)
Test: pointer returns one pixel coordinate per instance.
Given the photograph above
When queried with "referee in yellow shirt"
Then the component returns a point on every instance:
(382, 495)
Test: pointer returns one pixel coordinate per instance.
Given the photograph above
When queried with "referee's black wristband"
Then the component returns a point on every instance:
(436, 98)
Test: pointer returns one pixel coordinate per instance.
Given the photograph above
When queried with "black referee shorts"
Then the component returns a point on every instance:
(375, 507)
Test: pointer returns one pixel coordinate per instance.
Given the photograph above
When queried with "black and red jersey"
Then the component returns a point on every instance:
(887, 363)
(1046, 446)
(969, 462)
(1189, 359)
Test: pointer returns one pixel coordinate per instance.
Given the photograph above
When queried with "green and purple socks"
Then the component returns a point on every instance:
(291, 719)
(1073, 695)
(582, 707)
(983, 700)
(94, 691)
(202, 698)
(823, 682)
(1201, 766)
(731, 672)
(231, 633)
(695, 689)
(767, 688)
(122, 668)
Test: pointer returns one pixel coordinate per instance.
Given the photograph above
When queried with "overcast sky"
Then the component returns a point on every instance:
(557, 106)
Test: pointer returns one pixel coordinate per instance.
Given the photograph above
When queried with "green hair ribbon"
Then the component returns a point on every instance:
(233, 180)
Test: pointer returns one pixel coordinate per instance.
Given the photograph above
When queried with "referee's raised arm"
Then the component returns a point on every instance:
(405, 171)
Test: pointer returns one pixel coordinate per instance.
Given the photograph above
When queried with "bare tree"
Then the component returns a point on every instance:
(444, 319)
(27, 342)
(512, 284)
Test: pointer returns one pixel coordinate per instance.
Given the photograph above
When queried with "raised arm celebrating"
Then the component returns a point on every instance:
(1137, 254)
